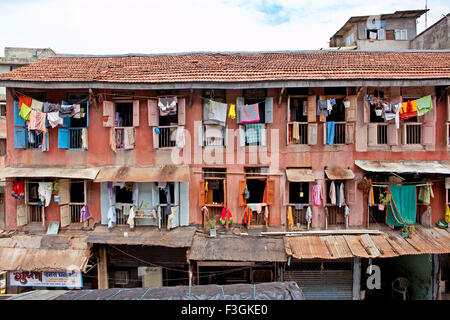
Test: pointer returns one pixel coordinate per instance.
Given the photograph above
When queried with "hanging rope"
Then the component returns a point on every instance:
(393, 212)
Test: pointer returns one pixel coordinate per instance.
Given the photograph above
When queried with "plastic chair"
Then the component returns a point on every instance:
(400, 285)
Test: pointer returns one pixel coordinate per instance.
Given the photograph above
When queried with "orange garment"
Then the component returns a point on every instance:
(247, 216)
(25, 100)
(372, 200)
(289, 217)
(408, 110)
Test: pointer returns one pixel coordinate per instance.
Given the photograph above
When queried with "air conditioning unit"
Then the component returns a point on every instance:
(121, 277)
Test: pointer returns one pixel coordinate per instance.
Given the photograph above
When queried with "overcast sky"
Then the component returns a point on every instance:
(169, 26)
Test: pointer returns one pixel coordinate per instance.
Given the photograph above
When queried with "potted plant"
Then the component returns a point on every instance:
(385, 197)
(211, 225)
(141, 205)
(404, 231)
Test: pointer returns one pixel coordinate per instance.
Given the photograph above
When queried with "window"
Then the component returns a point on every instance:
(212, 133)
(167, 116)
(3, 109)
(122, 116)
(77, 199)
(338, 116)
(32, 202)
(297, 120)
(213, 191)
(75, 128)
(400, 34)
(254, 133)
(163, 197)
(24, 138)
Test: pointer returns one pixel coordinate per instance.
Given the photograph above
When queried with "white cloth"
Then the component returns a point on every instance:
(112, 217)
(346, 211)
(54, 119)
(341, 195)
(171, 217)
(308, 215)
(332, 193)
(130, 220)
(45, 192)
(218, 112)
(162, 185)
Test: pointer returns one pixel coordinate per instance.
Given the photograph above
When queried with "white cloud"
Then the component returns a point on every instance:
(116, 27)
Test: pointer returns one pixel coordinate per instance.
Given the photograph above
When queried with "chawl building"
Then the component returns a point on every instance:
(318, 167)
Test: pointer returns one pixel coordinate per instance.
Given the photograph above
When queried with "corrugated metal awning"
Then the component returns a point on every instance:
(233, 248)
(387, 245)
(49, 172)
(400, 166)
(43, 253)
(300, 175)
(157, 173)
(180, 237)
(338, 173)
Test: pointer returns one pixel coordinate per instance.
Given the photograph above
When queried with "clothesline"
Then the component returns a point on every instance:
(417, 185)
(17, 93)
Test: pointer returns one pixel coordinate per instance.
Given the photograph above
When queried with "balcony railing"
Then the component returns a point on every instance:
(34, 140)
(120, 138)
(336, 215)
(382, 133)
(412, 133)
(75, 212)
(302, 133)
(167, 136)
(339, 133)
(75, 138)
(299, 216)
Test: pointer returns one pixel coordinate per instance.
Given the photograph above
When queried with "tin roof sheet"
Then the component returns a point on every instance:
(401, 166)
(386, 245)
(156, 173)
(338, 173)
(42, 172)
(300, 175)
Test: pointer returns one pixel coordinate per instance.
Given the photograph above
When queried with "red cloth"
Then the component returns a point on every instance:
(223, 216)
(18, 192)
(27, 101)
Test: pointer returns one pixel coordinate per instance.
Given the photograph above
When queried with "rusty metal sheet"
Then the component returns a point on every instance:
(337, 246)
(308, 247)
(180, 237)
(300, 175)
(338, 173)
(383, 246)
(442, 167)
(42, 259)
(52, 172)
(156, 173)
(233, 248)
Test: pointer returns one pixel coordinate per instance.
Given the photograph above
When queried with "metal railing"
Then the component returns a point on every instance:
(299, 216)
(75, 138)
(302, 132)
(167, 136)
(335, 215)
(382, 133)
(35, 213)
(75, 212)
(339, 133)
(412, 133)
(34, 140)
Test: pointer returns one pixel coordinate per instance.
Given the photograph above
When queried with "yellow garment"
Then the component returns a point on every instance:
(25, 112)
(295, 133)
(408, 108)
(232, 112)
(447, 214)
(289, 217)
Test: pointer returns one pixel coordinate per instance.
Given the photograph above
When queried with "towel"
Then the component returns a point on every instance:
(289, 217)
(249, 113)
(54, 119)
(131, 216)
(45, 190)
(25, 112)
(36, 105)
(218, 111)
(253, 132)
(330, 132)
(37, 121)
(424, 105)
(128, 142)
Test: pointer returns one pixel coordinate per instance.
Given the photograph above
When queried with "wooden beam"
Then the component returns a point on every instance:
(356, 278)
(102, 269)
(321, 232)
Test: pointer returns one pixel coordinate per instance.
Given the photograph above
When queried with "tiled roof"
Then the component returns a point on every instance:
(238, 67)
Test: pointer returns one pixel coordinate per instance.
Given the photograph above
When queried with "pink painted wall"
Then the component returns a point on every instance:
(316, 157)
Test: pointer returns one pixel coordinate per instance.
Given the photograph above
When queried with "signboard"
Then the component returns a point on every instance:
(45, 279)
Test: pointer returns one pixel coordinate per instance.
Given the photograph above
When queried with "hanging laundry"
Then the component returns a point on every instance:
(112, 217)
(180, 137)
(84, 138)
(169, 201)
(408, 110)
(162, 185)
(37, 121)
(246, 194)
(112, 139)
(218, 112)
(25, 101)
(330, 132)
(36, 105)
(341, 195)
(299, 206)
(54, 119)
(50, 107)
(322, 106)
(167, 106)
(253, 132)
(308, 214)
(76, 112)
(249, 113)
(426, 193)
(247, 215)
(85, 214)
(266, 213)
(424, 105)
(232, 112)
(332, 193)
(317, 195)
(44, 143)
(346, 211)
(226, 213)
(25, 112)
(45, 190)
(402, 207)
(131, 217)
(252, 206)
(289, 217)
(17, 190)
(295, 132)
(66, 111)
